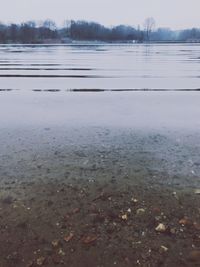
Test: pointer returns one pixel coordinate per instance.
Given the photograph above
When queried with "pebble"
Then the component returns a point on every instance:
(185, 221)
(40, 261)
(163, 249)
(89, 239)
(161, 228)
(140, 211)
(61, 252)
(69, 237)
(125, 217)
(55, 243)
(197, 191)
(173, 231)
(134, 200)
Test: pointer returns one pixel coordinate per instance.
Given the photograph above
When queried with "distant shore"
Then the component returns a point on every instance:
(86, 42)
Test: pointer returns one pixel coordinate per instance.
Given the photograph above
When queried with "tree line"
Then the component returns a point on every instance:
(32, 33)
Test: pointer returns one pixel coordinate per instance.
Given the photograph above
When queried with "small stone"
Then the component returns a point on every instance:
(89, 239)
(140, 211)
(185, 221)
(55, 243)
(161, 228)
(173, 231)
(134, 200)
(40, 261)
(197, 191)
(69, 237)
(125, 217)
(175, 195)
(61, 252)
(163, 249)
(129, 210)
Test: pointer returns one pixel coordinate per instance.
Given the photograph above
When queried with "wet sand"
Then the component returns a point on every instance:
(99, 196)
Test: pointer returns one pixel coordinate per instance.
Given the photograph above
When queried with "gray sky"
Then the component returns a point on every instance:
(176, 14)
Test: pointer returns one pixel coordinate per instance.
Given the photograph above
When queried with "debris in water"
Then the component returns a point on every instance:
(140, 211)
(40, 261)
(69, 237)
(185, 221)
(55, 243)
(61, 252)
(89, 239)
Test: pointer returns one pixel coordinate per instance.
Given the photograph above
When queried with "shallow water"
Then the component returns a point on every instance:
(75, 100)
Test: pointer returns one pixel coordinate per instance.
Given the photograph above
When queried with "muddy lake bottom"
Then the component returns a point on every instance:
(99, 197)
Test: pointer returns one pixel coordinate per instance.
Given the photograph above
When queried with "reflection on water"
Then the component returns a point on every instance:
(135, 86)
(163, 66)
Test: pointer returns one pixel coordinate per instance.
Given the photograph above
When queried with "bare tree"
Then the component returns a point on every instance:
(149, 25)
(67, 23)
(50, 24)
(67, 27)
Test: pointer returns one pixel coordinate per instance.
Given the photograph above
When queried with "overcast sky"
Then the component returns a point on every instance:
(176, 14)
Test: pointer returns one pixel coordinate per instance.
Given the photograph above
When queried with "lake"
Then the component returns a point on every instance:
(138, 86)
(107, 67)
(99, 155)
(147, 95)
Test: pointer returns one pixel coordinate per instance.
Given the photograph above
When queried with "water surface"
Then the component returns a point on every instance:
(65, 67)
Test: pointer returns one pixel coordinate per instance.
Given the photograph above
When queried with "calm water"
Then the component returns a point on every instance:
(35, 84)
(105, 67)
